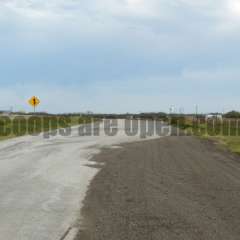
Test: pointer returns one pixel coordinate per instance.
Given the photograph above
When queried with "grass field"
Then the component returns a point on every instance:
(11, 127)
(226, 132)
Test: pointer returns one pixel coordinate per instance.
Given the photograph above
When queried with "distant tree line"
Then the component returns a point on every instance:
(144, 115)
(232, 114)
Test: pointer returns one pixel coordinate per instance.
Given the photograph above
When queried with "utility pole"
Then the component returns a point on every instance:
(196, 109)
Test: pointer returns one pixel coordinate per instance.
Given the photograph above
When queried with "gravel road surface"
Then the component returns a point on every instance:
(170, 188)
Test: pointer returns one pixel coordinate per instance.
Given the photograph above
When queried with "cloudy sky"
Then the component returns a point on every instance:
(120, 55)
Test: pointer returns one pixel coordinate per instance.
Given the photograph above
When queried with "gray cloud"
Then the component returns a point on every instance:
(141, 50)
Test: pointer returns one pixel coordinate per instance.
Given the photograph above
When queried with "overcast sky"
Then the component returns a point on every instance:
(120, 55)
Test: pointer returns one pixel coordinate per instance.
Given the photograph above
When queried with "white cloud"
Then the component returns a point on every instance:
(234, 8)
(218, 13)
(140, 8)
(108, 17)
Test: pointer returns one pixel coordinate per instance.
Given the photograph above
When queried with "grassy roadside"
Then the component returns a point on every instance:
(226, 132)
(11, 127)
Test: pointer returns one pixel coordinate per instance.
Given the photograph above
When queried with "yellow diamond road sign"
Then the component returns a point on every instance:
(34, 101)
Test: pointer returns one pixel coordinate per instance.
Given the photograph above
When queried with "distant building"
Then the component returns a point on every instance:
(5, 113)
(214, 117)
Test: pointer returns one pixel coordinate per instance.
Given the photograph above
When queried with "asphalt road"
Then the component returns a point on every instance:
(43, 182)
(172, 188)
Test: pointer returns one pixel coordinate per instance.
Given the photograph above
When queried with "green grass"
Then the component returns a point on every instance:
(226, 133)
(232, 143)
(25, 125)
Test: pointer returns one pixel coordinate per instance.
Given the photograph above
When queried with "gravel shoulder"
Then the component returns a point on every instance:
(170, 188)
